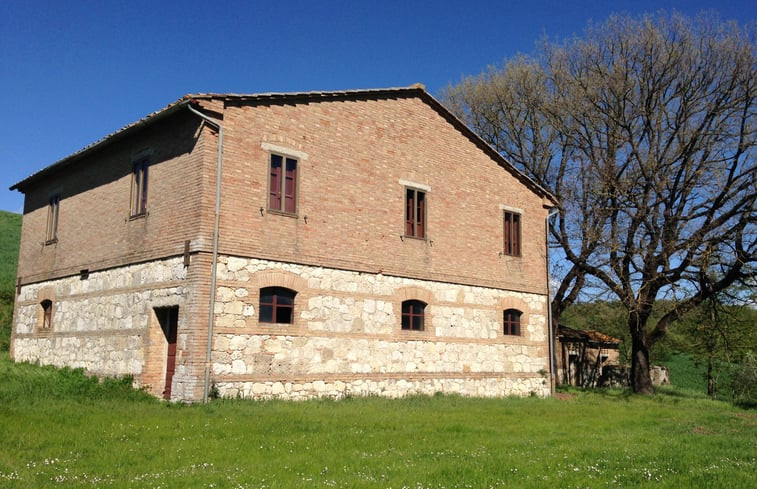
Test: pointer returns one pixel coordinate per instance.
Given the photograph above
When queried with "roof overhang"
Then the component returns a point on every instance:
(592, 338)
(416, 90)
(105, 141)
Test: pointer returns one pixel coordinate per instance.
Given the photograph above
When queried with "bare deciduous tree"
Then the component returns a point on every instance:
(646, 130)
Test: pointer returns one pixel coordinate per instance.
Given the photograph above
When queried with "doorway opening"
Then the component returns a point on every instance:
(168, 317)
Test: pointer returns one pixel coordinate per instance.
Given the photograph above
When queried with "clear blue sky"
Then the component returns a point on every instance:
(73, 71)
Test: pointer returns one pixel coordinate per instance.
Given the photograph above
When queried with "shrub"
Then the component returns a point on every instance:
(6, 318)
(744, 381)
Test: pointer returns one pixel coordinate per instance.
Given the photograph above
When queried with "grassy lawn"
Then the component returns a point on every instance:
(10, 232)
(61, 429)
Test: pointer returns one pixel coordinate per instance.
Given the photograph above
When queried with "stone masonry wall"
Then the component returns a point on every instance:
(104, 323)
(346, 336)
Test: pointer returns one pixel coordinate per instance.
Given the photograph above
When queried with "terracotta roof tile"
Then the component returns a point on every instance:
(586, 335)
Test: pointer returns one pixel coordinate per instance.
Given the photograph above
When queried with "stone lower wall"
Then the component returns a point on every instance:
(346, 337)
(104, 323)
(394, 387)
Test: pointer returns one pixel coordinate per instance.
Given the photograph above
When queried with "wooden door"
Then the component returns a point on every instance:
(169, 321)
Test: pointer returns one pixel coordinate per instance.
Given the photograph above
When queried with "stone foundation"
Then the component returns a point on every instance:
(394, 388)
(346, 337)
(104, 323)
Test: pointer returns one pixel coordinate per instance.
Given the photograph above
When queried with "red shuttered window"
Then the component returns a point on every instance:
(53, 211)
(512, 234)
(139, 188)
(415, 213)
(282, 186)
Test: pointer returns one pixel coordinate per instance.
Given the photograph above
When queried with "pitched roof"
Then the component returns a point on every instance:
(416, 90)
(586, 336)
(104, 141)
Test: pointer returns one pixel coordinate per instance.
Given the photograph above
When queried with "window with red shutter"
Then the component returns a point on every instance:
(274, 187)
(139, 188)
(282, 186)
(53, 211)
(415, 213)
(290, 186)
(512, 234)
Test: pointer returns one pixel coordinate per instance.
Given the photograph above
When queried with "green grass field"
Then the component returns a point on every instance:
(59, 428)
(62, 429)
(10, 231)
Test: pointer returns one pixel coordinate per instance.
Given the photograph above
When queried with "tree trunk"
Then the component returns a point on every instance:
(641, 380)
(710, 379)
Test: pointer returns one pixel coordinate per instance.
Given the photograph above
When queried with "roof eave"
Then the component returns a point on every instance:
(418, 90)
(105, 141)
(414, 90)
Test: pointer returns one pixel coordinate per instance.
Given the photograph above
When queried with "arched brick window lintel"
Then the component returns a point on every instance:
(278, 278)
(515, 316)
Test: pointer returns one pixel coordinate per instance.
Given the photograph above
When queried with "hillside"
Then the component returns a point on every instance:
(10, 232)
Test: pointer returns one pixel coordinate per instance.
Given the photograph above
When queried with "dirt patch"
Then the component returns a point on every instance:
(564, 396)
(701, 430)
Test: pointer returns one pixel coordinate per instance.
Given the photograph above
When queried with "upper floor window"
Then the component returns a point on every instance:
(282, 186)
(47, 314)
(512, 322)
(415, 213)
(512, 234)
(53, 211)
(413, 312)
(139, 187)
(277, 305)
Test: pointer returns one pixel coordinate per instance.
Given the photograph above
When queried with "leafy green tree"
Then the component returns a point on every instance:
(646, 131)
(744, 380)
(718, 334)
(6, 318)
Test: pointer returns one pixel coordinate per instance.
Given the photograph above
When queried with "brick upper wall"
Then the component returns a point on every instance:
(358, 152)
(95, 230)
(349, 188)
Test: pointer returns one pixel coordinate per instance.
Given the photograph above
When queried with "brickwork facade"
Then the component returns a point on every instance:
(343, 249)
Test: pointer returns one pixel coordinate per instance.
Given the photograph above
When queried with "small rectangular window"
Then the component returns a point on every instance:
(512, 322)
(282, 185)
(413, 314)
(512, 234)
(277, 305)
(415, 213)
(47, 314)
(53, 211)
(139, 188)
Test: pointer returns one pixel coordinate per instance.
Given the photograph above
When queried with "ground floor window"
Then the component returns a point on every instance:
(512, 322)
(47, 314)
(277, 305)
(413, 312)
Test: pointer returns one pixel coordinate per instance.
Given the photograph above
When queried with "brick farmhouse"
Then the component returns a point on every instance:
(289, 245)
